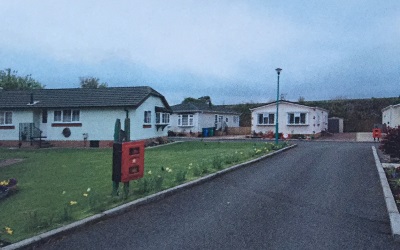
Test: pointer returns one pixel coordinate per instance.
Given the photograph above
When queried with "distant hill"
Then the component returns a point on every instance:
(359, 115)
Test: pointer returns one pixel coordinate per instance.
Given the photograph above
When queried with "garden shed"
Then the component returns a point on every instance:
(335, 125)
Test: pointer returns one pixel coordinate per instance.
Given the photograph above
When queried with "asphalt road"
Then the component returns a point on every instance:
(319, 195)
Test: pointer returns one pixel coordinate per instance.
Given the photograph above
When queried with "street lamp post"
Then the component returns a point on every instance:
(278, 70)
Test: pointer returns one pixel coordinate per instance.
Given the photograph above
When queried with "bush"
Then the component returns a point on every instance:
(171, 133)
(391, 143)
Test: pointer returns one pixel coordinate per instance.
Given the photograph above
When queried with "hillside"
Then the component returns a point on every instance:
(359, 115)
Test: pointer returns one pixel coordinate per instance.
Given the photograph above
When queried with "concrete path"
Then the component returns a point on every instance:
(321, 195)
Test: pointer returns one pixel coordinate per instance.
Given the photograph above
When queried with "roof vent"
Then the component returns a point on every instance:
(32, 102)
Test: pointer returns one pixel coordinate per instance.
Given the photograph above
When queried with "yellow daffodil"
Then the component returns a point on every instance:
(85, 194)
(88, 190)
(9, 230)
(73, 203)
(4, 183)
(63, 192)
(149, 172)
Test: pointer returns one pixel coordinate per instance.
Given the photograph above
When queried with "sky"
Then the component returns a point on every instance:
(225, 49)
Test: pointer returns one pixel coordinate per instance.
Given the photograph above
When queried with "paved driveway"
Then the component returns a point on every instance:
(319, 195)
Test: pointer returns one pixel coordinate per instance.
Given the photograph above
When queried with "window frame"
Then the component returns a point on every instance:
(147, 117)
(296, 119)
(265, 116)
(162, 118)
(189, 120)
(4, 116)
(66, 116)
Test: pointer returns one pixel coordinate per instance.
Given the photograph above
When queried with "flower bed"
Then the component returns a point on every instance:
(393, 176)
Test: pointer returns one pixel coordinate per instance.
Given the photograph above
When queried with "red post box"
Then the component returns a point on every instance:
(376, 133)
(132, 161)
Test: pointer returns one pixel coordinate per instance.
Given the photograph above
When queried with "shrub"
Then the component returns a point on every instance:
(391, 143)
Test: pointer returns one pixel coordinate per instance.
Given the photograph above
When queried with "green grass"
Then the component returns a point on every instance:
(49, 179)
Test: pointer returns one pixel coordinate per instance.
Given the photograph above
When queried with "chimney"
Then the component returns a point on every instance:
(31, 99)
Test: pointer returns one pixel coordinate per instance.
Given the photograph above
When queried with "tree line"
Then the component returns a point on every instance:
(10, 80)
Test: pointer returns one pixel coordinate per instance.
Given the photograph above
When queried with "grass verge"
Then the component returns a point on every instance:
(58, 186)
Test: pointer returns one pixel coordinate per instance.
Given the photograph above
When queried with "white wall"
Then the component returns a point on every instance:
(391, 116)
(200, 121)
(137, 120)
(312, 125)
(99, 123)
(17, 118)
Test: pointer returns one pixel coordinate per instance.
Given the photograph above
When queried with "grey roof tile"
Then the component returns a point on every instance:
(201, 107)
(78, 97)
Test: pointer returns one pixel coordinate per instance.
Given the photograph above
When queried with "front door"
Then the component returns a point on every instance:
(43, 122)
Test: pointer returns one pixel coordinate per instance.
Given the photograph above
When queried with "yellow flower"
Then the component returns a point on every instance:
(85, 194)
(88, 190)
(73, 203)
(63, 192)
(9, 230)
(149, 172)
(4, 183)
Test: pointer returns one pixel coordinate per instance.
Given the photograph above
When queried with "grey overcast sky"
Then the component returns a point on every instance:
(226, 49)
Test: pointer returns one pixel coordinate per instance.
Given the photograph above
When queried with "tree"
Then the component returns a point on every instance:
(301, 99)
(203, 99)
(9, 80)
(91, 83)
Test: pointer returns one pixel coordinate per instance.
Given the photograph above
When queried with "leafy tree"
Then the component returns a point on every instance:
(9, 80)
(91, 83)
(301, 99)
(203, 99)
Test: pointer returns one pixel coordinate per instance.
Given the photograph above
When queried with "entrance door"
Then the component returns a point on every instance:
(43, 122)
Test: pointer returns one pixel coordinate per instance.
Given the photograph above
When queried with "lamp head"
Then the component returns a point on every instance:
(278, 70)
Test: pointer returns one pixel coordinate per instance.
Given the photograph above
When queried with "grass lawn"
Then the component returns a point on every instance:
(58, 186)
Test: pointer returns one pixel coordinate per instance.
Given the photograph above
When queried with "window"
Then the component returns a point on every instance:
(75, 115)
(185, 120)
(44, 116)
(162, 118)
(5, 118)
(66, 115)
(297, 118)
(235, 119)
(57, 116)
(147, 116)
(165, 118)
(266, 119)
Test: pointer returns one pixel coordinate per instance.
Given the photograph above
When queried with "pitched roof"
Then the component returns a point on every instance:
(194, 107)
(288, 102)
(78, 97)
(391, 107)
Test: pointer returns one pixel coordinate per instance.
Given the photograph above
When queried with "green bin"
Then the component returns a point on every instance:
(211, 131)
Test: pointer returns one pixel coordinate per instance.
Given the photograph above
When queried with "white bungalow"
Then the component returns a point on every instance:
(80, 117)
(197, 118)
(391, 116)
(294, 119)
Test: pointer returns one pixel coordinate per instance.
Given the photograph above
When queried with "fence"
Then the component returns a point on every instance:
(239, 131)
